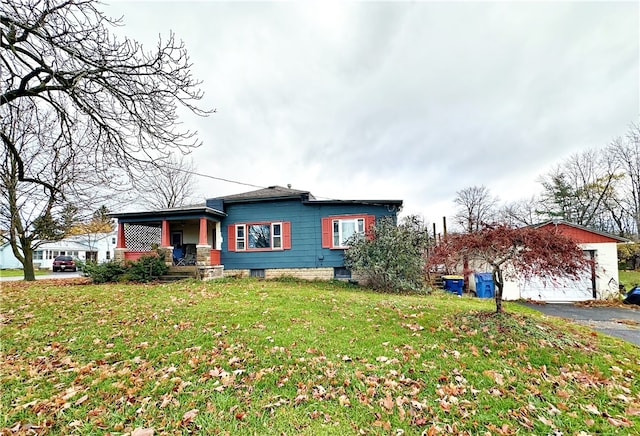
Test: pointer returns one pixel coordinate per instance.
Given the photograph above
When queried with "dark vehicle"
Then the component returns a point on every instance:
(64, 263)
(633, 296)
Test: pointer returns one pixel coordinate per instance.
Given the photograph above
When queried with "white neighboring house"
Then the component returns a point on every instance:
(7, 259)
(599, 283)
(97, 247)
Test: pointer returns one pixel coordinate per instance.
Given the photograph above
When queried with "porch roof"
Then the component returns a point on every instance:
(175, 213)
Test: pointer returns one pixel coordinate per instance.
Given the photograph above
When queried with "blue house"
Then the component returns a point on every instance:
(265, 233)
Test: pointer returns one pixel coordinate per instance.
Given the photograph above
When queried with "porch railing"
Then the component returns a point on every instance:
(136, 255)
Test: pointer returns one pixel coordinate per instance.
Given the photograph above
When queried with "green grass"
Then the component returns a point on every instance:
(629, 278)
(20, 273)
(288, 357)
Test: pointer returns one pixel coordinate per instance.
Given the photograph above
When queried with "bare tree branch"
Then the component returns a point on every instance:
(82, 110)
(476, 207)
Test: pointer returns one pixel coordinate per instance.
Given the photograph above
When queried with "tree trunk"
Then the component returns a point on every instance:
(499, 285)
(27, 263)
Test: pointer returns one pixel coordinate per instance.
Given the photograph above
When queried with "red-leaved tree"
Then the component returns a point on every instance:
(521, 252)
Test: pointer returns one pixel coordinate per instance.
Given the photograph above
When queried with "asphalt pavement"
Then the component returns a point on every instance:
(620, 322)
(57, 275)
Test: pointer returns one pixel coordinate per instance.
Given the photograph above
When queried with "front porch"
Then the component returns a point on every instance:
(183, 236)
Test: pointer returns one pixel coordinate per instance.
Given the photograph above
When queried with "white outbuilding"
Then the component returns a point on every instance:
(599, 283)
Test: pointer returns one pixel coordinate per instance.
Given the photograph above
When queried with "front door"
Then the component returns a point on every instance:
(176, 239)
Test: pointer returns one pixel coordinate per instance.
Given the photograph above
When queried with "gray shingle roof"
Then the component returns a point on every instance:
(271, 192)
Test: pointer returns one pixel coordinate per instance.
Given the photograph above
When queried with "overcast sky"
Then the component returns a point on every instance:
(400, 100)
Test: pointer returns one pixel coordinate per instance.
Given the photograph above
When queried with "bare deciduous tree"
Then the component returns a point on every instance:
(476, 207)
(581, 190)
(171, 185)
(104, 101)
(520, 212)
(626, 152)
(30, 213)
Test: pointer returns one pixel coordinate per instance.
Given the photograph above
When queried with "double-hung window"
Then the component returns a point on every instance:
(276, 236)
(337, 230)
(259, 236)
(240, 238)
(343, 229)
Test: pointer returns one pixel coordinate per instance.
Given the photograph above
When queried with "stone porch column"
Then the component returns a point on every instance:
(165, 244)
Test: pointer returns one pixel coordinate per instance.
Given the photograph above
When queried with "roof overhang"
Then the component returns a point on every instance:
(395, 204)
(190, 212)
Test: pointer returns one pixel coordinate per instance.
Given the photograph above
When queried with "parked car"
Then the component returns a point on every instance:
(633, 296)
(64, 263)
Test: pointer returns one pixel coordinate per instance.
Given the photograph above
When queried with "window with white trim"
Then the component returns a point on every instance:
(343, 229)
(240, 241)
(276, 238)
(263, 236)
(37, 255)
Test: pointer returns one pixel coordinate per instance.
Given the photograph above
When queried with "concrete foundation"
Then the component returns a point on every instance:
(210, 272)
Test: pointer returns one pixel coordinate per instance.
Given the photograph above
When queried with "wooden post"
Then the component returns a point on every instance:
(444, 227)
(121, 243)
(165, 240)
(202, 240)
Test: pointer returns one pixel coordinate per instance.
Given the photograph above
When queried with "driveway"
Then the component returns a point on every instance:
(620, 322)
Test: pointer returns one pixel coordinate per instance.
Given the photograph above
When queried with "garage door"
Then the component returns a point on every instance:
(560, 290)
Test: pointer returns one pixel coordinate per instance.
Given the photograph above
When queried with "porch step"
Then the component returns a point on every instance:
(176, 273)
(437, 281)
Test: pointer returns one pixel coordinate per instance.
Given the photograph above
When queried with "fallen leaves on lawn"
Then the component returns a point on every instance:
(173, 370)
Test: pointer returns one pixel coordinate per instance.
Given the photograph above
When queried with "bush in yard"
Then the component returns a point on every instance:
(104, 272)
(146, 268)
(390, 257)
(629, 255)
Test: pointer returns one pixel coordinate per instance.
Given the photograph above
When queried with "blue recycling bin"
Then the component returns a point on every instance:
(453, 284)
(484, 285)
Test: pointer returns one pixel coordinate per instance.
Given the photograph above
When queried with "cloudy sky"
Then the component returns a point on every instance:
(400, 100)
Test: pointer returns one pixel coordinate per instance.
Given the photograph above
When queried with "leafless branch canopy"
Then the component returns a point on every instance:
(476, 207)
(125, 100)
(172, 185)
(81, 111)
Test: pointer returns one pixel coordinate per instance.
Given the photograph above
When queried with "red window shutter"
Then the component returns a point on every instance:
(326, 232)
(231, 238)
(286, 235)
(369, 222)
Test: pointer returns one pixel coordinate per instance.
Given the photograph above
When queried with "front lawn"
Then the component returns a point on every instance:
(20, 273)
(288, 357)
(629, 278)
